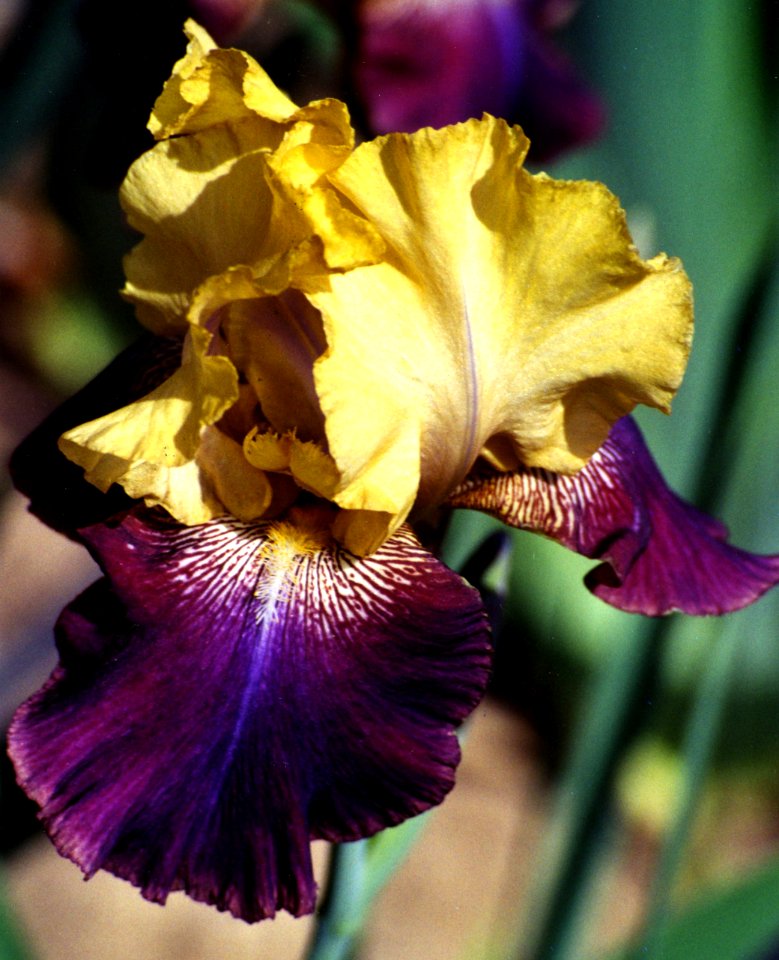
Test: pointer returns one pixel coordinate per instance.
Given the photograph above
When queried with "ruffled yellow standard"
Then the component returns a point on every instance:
(364, 324)
(510, 318)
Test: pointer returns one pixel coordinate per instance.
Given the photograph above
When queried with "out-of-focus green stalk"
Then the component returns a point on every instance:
(358, 873)
(342, 915)
(575, 843)
(573, 847)
(700, 739)
(12, 945)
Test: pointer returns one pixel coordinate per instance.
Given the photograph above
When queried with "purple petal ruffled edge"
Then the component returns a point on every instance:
(218, 705)
(661, 553)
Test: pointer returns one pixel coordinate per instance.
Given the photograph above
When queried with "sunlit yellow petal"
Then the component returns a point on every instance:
(313, 468)
(349, 240)
(316, 144)
(237, 181)
(211, 86)
(318, 141)
(138, 445)
(508, 306)
(249, 194)
(363, 531)
(184, 491)
(204, 205)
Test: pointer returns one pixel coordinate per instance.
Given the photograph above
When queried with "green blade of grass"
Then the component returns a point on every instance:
(733, 923)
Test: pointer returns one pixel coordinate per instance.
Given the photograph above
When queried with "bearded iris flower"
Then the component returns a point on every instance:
(345, 343)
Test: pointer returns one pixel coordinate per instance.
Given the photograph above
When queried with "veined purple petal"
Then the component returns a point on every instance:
(662, 554)
(56, 488)
(230, 692)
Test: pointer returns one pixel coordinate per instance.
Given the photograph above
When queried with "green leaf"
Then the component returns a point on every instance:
(72, 340)
(734, 923)
(576, 839)
(37, 85)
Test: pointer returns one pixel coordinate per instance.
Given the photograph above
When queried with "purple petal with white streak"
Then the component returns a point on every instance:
(216, 708)
(661, 554)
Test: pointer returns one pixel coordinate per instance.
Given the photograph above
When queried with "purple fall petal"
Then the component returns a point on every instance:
(661, 553)
(220, 703)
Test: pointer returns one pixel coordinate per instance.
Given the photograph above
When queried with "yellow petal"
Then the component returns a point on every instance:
(267, 450)
(312, 467)
(243, 196)
(512, 313)
(184, 491)
(204, 206)
(245, 491)
(145, 445)
(362, 532)
(238, 181)
(349, 241)
(211, 86)
(274, 342)
(318, 142)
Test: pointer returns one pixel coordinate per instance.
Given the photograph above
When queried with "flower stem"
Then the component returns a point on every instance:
(574, 842)
(358, 873)
(700, 739)
(341, 916)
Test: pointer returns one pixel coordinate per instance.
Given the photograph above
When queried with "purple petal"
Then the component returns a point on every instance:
(56, 488)
(223, 698)
(554, 106)
(661, 553)
(422, 64)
